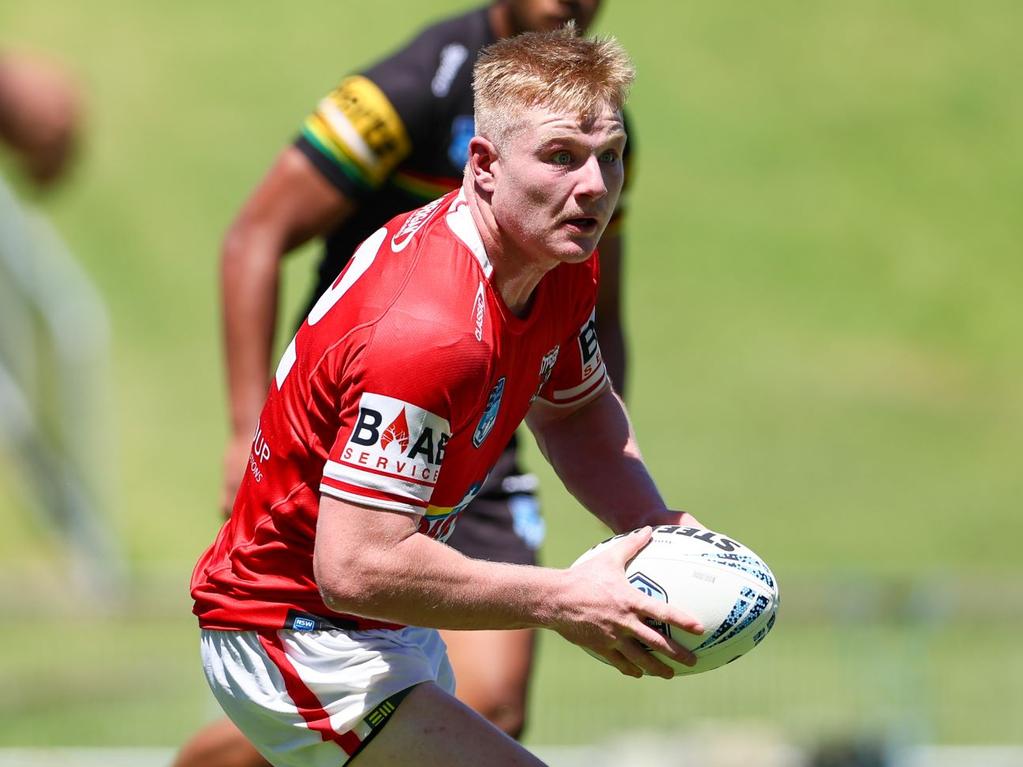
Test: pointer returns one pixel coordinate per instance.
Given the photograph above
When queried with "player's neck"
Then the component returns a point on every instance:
(516, 287)
(515, 273)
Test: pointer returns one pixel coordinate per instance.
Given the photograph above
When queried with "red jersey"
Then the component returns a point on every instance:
(399, 391)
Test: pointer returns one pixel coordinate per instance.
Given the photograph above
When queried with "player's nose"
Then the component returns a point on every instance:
(590, 180)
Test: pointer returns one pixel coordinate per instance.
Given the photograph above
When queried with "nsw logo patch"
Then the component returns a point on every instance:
(489, 417)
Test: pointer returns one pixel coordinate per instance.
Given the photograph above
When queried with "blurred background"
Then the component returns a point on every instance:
(823, 278)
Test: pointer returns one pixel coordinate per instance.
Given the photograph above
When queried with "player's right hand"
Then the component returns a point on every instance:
(607, 616)
(235, 463)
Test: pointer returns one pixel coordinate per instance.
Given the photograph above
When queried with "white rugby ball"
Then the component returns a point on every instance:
(711, 577)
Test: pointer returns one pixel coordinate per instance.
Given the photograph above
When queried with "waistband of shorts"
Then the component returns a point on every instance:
(297, 620)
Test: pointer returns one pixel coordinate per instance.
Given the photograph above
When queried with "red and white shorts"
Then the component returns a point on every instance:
(313, 699)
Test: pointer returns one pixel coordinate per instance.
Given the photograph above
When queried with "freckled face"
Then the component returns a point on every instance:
(557, 181)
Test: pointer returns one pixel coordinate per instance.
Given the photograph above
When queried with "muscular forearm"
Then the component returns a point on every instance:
(375, 564)
(421, 582)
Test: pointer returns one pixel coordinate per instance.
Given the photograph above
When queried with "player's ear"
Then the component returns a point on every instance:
(482, 158)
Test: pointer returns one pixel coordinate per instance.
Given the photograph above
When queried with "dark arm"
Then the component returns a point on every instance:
(291, 205)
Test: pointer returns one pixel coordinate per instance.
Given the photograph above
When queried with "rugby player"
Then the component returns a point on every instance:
(320, 597)
(387, 140)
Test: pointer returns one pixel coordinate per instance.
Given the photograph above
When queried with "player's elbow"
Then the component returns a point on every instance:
(251, 242)
(238, 242)
(339, 598)
(352, 582)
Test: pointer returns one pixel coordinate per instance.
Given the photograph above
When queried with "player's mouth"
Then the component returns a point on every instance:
(582, 225)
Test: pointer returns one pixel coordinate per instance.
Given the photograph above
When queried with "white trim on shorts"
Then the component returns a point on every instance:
(305, 698)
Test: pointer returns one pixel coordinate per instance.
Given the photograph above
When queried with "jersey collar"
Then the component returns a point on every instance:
(459, 220)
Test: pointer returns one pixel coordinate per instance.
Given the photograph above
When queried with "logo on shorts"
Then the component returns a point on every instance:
(395, 438)
(489, 417)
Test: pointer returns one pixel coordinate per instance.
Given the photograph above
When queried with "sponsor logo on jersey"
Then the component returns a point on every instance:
(259, 454)
(490, 411)
(452, 56)
(396, 431)
(479, 306)
(413, 224)
(589, 349)
(363, 121)
(463, 128)
(393, 438)
(547, 364)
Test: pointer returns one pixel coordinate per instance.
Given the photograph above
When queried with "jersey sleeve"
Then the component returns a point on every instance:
(355, 137)
(388, 455)
(367, 126)
(579, 373)
(399, 411)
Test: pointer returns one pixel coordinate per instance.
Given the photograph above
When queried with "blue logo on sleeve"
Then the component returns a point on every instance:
(489, 417)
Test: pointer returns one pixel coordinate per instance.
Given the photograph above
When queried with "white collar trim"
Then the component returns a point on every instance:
(460, 222)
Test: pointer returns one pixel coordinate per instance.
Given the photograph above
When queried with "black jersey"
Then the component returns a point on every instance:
(396, 135)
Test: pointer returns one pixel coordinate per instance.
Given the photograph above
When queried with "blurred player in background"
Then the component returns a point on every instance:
(40, 115)
(319, 598)
(385, 141)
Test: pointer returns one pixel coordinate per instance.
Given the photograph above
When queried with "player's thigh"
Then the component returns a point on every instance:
(431, 728)
(491, 667)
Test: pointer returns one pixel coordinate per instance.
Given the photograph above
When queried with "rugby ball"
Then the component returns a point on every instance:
(712, 577)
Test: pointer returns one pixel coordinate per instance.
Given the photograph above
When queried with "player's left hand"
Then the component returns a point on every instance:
(610, 618)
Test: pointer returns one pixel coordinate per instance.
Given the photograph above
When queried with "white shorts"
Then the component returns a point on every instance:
(313, 699)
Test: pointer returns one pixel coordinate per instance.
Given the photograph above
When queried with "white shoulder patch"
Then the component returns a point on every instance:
(395, 448)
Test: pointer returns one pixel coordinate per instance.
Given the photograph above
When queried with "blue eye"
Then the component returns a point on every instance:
(610, 156)
(562, 157)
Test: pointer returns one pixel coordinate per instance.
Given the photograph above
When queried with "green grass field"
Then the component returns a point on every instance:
(822, 290)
